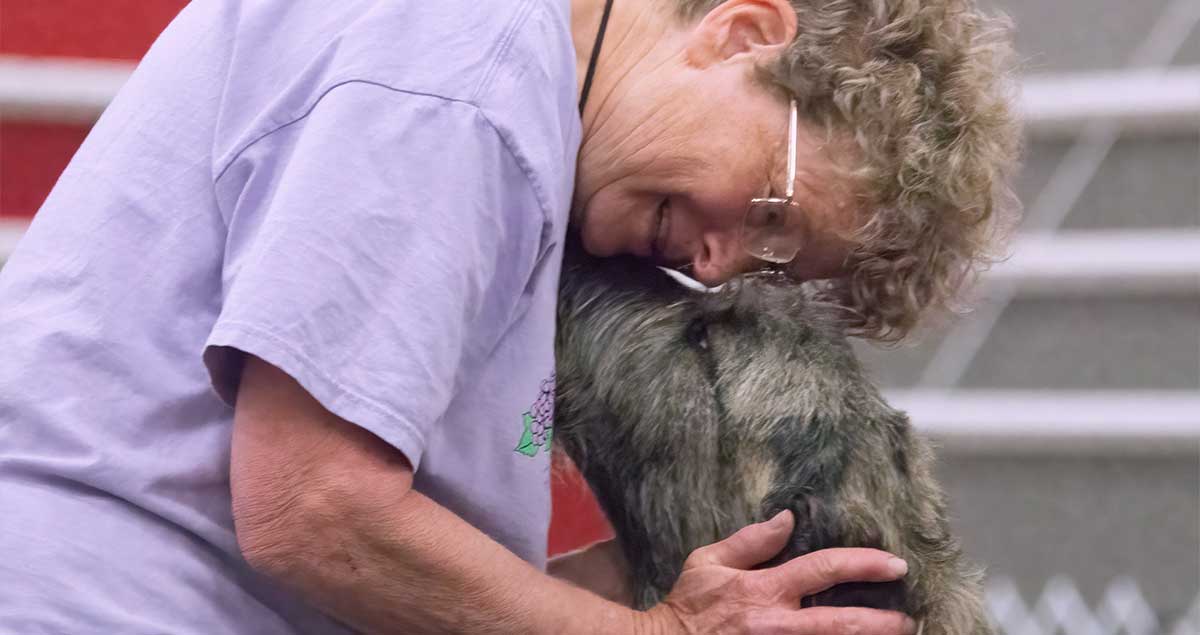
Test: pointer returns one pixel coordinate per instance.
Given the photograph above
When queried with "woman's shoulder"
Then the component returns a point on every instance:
(530, 96)
(514, 61)
(456, 49)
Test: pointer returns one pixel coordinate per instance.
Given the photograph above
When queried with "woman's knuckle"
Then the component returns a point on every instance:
(824, 566)
(760, 622)
(753, 590)
(848, 624)
(696, 558)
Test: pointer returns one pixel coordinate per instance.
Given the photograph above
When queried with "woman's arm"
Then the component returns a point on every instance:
(328, 509)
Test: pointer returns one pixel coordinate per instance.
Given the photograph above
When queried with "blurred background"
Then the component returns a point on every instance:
(1067, 405)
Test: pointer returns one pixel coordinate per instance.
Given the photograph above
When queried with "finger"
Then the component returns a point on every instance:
(824, 621)
(827, 620)
(751, 545)
(819, 570)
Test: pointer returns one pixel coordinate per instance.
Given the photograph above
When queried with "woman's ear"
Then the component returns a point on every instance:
(741, 28)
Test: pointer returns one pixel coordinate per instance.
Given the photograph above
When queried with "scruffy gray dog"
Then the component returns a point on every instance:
(694, 414)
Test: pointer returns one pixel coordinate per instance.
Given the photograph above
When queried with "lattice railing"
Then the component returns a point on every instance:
(1062, 610)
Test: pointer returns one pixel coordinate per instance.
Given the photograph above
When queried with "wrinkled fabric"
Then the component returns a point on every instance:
(371, 196)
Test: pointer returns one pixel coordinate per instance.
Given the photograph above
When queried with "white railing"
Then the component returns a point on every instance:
(1138, 100)
(1055, 421)
(1103, 262)
(10, 232)
(63, 90)
(1148, 101)
(1062, 610)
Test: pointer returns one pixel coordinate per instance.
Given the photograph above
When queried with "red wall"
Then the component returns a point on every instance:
(577, 519)
(33, 154)
(117, 29)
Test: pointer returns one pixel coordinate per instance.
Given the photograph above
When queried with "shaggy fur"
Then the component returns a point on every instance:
(692, 415)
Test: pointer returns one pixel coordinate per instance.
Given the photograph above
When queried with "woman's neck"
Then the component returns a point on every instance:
(634, 27)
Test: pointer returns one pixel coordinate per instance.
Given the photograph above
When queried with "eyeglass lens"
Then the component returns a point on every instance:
(773, 231)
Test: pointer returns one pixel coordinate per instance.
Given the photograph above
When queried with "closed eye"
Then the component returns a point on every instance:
(697, 334)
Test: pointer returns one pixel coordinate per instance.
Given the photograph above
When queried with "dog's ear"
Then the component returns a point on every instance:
(886, 596)
(817, 527)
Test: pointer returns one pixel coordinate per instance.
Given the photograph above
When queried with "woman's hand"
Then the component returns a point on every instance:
(717, 593)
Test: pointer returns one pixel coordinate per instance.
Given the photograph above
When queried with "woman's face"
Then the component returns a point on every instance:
(673, 155)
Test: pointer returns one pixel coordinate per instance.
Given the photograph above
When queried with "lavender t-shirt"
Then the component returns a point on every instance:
(371, 195)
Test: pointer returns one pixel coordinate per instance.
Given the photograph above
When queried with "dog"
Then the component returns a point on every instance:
(693, 414)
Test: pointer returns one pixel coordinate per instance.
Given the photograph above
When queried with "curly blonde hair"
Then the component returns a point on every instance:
(923, 89)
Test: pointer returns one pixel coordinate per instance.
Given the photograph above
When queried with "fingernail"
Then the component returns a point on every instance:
(777, 518)
(897, 566)
(910, 626)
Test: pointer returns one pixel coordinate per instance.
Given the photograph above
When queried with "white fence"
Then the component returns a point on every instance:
(10, 232)
(1056, 421)
(1062, 610)
(1140, 100)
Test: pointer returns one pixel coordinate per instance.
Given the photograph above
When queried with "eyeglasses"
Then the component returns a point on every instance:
(774, 228)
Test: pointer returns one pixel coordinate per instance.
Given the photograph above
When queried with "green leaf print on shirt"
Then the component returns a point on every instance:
(538, 422)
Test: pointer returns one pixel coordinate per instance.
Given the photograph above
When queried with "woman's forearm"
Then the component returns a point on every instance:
(327, 508)
(413, 566)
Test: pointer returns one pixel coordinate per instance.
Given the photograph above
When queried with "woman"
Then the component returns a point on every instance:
(275, 334)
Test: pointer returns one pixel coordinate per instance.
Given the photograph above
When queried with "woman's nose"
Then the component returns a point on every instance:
(719, 257)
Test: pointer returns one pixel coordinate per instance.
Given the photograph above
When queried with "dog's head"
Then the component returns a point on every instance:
(695, 413)
(661, 360)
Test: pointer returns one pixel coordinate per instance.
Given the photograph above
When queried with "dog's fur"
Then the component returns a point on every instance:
(692, 415)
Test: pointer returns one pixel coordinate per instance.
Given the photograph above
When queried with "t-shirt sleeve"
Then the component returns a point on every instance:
(376, 245)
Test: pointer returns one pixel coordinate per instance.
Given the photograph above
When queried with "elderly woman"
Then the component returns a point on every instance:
(271, 342)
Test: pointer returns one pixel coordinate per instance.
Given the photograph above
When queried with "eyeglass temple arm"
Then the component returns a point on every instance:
(791, 161)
